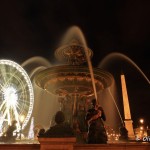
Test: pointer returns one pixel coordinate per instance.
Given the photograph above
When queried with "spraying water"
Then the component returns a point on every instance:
(75, 33)
(115, 105)
(36, 60)
(119, 55)
(35, 71)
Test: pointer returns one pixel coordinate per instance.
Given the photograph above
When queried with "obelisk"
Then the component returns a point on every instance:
(127, 115)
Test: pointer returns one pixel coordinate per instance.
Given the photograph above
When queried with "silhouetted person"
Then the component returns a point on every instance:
(123, 133)
(61, 129)
(96, 130)
(41, 132)
(8, 135)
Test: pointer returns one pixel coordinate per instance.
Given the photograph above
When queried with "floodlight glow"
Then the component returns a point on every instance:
(16, 94)
(10, 96)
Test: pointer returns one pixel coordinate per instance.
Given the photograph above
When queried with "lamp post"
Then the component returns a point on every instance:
(141, 121)
(21, 122)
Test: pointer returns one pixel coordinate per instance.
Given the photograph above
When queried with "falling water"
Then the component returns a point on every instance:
(34, 62)
(115, 105)
(119, 55)
(108, 100)
(74, 33)
(45, 100)
(35, 71)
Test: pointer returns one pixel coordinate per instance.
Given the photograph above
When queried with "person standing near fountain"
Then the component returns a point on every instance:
(96, 130)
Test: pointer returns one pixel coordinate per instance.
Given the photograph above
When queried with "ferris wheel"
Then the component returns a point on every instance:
(16, 95)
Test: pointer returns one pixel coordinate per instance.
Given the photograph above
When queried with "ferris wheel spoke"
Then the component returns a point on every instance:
(12, 75)
(4, 114)
(2, 105)
(8, 117)
(21, 97)
(1, 87)
(16, 115)
(3, 73)
(7, 83)
(16, 94)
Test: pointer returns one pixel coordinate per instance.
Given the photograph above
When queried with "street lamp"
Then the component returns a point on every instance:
(141, 121)
(141, 127)
(21, 122)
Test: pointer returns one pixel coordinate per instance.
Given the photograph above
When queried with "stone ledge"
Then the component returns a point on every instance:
(57, 143)
(113, 146)
(70, 144)
(19, 146)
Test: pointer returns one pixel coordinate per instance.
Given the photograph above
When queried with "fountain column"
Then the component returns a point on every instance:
(128, 121)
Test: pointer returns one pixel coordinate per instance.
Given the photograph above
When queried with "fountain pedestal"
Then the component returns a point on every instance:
(57, 143)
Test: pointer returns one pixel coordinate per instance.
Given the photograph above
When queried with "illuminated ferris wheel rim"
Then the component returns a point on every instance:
(30, 88)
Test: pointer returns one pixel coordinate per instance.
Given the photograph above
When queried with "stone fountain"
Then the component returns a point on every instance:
(72, 82)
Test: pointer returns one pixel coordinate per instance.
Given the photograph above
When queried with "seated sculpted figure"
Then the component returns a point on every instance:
(96, 130)
(61, 129)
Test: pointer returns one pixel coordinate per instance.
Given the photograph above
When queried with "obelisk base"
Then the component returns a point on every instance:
(129, 127)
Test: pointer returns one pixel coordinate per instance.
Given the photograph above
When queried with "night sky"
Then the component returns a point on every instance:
(34, 28)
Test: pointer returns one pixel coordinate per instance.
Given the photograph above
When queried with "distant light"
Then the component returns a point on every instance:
(141, 121)
(141, 128)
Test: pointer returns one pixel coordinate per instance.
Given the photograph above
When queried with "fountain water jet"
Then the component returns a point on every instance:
(35, 71)
(115, 105)
(33, 63)
(74, 33)
(106, 60)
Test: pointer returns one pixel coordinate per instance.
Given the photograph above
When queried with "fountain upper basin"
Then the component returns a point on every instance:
(71, 79)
